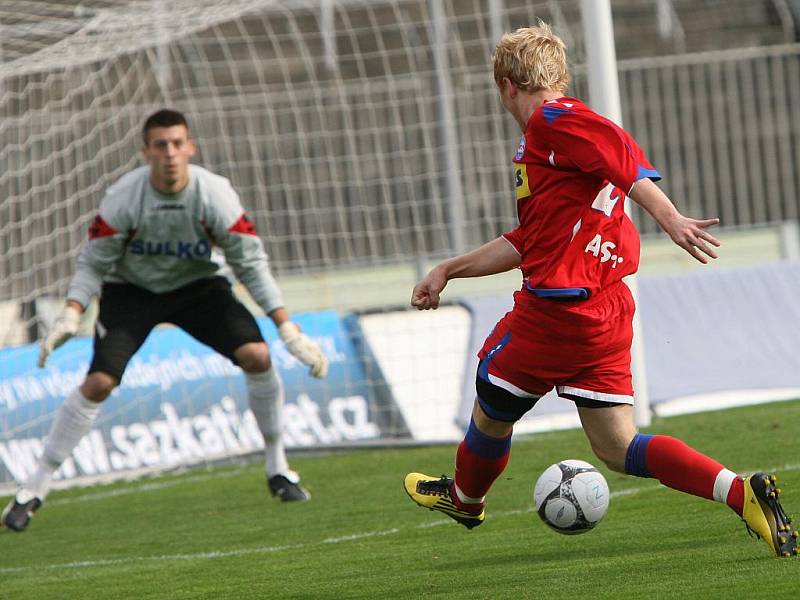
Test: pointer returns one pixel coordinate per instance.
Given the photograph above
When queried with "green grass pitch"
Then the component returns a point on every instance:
(217, 533)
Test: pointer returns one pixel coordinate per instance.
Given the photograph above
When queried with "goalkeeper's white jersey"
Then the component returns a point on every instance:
(160, 242)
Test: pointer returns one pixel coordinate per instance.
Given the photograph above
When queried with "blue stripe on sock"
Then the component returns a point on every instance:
(484, 445)
(635, 458)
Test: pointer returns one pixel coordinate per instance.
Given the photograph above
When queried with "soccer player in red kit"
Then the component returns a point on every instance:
(571, 325)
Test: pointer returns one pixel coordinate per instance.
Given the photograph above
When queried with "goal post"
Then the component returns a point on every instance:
(601, 69)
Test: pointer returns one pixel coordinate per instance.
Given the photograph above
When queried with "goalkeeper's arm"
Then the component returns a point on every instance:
(245, 253)
(98, 255)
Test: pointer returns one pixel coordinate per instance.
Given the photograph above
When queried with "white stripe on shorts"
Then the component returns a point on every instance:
(508, 386)
(590, 395)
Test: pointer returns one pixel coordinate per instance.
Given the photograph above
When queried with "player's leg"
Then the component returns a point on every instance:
(480, 459)
(613, 438)
(74, 419)
(603, 393)
(211, 314)
(266, 398)
(483, 453)
(123, 324)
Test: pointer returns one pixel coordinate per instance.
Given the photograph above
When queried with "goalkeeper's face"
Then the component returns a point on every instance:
(167, 151)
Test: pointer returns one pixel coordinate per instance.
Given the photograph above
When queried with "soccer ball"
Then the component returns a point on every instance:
(571, 496)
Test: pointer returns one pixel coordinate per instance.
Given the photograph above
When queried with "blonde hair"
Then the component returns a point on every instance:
(534, 58)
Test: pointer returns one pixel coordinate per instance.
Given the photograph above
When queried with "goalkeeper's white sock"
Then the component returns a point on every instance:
(265, 394)
(73, 420)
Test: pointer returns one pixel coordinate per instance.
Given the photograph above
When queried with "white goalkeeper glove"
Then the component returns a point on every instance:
(304, 349)
(64, 327)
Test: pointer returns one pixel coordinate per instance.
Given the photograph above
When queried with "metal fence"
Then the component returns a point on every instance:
(351, 168)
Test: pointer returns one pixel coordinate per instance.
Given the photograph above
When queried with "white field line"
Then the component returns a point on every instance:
(143, 487)
(214, 554)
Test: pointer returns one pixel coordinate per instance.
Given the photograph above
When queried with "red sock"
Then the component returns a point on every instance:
(480, 460)
(680, 467)
(735, 497)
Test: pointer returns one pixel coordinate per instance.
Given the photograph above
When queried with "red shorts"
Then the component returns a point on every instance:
(582, 348)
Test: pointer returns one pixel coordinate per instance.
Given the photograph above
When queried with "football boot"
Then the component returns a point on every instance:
(436, 494)
(17, 514)
(764, 515)
(287, 487)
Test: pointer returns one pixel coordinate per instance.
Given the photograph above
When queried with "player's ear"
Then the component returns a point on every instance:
(145, 145)
(191, 147)
(510, 86)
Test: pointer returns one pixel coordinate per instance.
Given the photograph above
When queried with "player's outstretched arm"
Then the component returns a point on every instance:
(497, 256)
(63, 328)
(690, 234)
(299, 345)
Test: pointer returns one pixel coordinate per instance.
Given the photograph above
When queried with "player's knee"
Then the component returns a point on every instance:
(489, 426)
(98, 386)
(253, 357)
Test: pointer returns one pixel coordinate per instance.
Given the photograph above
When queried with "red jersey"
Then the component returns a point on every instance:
(573, 170)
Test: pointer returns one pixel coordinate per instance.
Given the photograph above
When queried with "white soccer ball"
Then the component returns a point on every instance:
(571, 496)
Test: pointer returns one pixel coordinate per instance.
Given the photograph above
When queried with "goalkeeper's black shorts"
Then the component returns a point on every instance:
(205, 309)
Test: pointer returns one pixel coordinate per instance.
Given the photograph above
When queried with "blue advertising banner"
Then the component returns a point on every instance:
(180, 402)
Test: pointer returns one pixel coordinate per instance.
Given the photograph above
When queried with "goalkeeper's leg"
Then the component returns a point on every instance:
(265, 395)
(73, 420)
(218, 320)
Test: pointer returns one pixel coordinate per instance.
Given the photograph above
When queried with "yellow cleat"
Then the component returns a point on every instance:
(434, 494)
(764, 516)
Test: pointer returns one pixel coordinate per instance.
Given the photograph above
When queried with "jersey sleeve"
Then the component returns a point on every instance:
(108, 235)
(235, 234)
(595, 145)
(515, 237)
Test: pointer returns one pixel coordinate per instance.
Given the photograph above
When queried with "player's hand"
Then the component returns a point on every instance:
(64, 327)
(426, 293)
(304, 349)
(691, 235)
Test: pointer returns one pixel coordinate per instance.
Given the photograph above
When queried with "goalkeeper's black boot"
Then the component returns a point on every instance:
(436, 494)
(17, 514)
(764, 515)
(287, 487)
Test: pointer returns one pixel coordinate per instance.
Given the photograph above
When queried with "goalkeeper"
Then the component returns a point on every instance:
(149, 258)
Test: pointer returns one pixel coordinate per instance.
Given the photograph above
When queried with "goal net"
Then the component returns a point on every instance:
(328, 117)
(335, 121)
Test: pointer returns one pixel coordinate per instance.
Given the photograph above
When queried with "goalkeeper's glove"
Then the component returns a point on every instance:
(304, 349)
(64, 327)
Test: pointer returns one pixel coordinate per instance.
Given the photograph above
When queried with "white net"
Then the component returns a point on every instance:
(337, 153)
